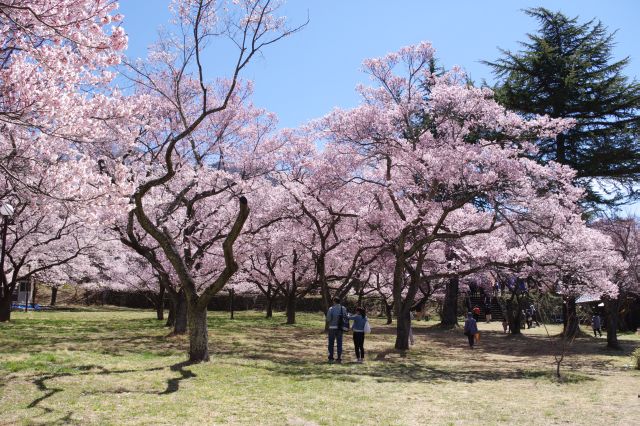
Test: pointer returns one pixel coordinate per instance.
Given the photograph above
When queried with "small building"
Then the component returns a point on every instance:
(23, 292)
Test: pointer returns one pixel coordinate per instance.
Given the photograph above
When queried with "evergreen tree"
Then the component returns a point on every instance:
(567, 70)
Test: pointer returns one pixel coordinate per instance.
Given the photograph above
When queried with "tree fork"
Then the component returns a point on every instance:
(197, 305)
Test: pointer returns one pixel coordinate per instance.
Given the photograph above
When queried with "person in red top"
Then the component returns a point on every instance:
(476, 313)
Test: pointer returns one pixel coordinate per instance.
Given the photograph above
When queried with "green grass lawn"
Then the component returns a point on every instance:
(119, 367)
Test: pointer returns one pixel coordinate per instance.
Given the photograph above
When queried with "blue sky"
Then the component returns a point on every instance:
(305, 76)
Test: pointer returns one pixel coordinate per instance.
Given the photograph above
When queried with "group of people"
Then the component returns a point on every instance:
(338, 319)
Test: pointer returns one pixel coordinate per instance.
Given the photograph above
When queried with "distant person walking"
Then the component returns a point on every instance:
(487, 308)
(529, 315)
(359, 323)
(596, 324)
(470, 329)
(337, 318)
(534, 314)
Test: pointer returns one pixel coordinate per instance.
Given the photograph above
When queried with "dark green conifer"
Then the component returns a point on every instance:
(567, 69)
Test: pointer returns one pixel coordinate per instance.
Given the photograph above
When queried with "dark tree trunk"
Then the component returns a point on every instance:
(570, 318)
(35, 293)
(389, 311)
(54, 295)
(450, 304)
(403, 324)
(180, 323)
(160, 304)
(198, 335)
(269, 306)
(613, 307)
(5, 307)
(232, 295)
(360, 294)
(514, 315)
(326, 299)
(171, 319)
(291, 308)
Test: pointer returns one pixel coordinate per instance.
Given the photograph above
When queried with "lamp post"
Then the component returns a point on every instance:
(6, 210)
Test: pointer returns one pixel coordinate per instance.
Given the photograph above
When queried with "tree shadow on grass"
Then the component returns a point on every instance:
(497, 357)
(522, 345)
(292, 352)
(66, 419)
(394, 372)
(174, 384)
(294, 356)
(84, 370)
(113, 345)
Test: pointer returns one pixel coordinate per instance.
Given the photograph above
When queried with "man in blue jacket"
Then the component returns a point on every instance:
(337, 318)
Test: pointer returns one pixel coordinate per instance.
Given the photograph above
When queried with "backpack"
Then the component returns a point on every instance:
(343, 323)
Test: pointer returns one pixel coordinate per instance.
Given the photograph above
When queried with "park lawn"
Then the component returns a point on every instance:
(118, 367)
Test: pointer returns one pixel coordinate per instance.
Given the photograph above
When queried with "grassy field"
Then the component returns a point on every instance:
(118, 367)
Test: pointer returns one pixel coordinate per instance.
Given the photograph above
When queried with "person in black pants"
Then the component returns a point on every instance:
(338, 324)
(359, 322)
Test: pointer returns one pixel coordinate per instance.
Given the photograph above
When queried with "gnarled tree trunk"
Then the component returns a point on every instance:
(388, 311)
(180, 320)
(514, 315)
(54, 295)
(5, 308)
(403, 325)
(291, 307)
(198, 334)
(269, 307)
(403, 304)
(160, 304)
(232, 295)
(450, 304)
(570, 318)
(171, 318)
(177, 313)
(613, 307)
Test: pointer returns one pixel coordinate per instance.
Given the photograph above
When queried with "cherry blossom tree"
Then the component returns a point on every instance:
(280, 262)
(323, 202)
(443, 162)
(129, 271)
(55, 99)
(192, 197)
(625, 234)
(44, 235)
(57, 111)
(132, 236)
